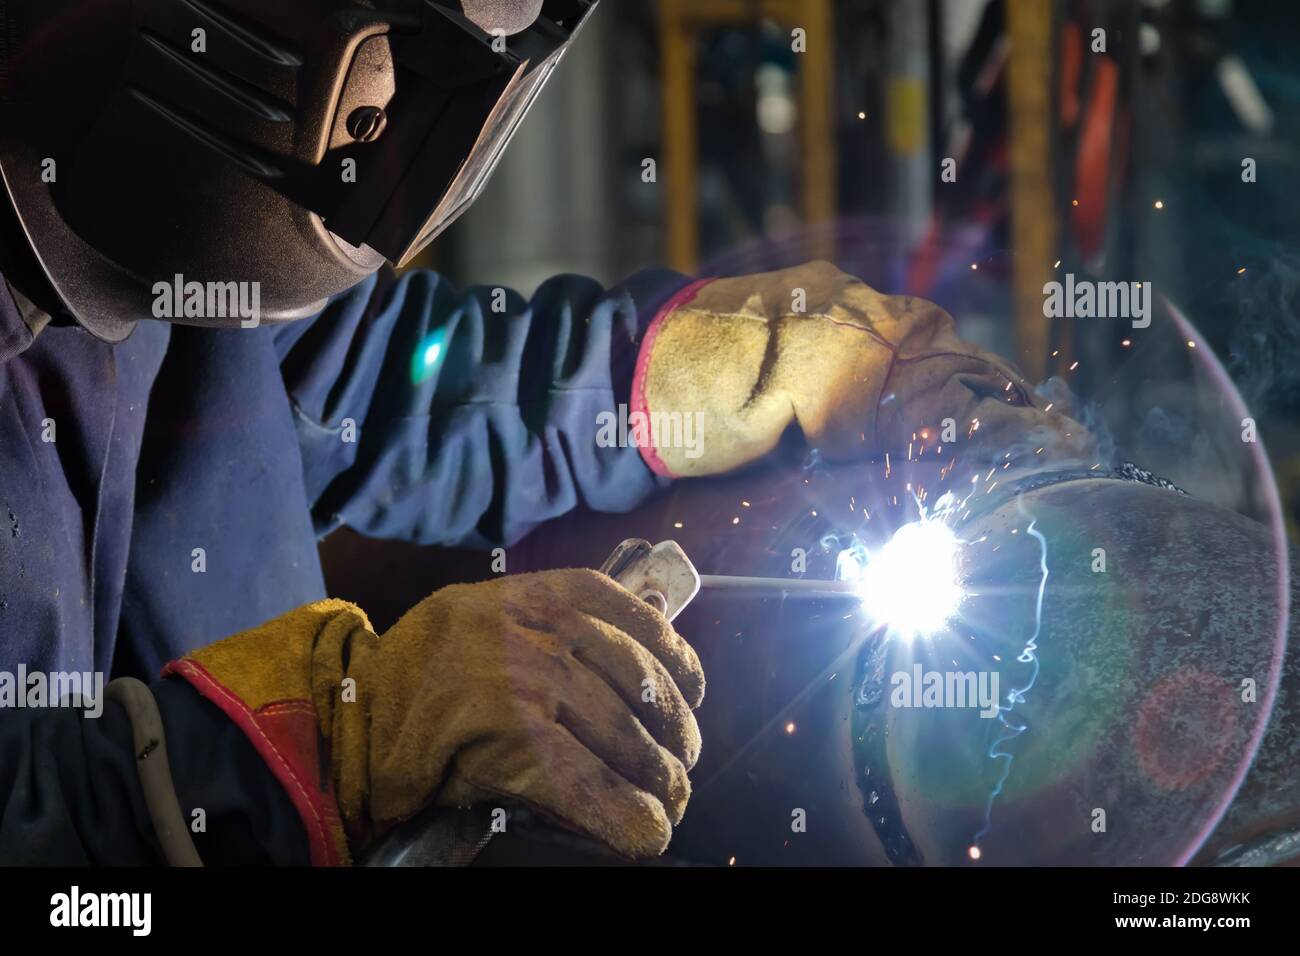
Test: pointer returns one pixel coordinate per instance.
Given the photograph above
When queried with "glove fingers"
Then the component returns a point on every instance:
(993, 408)
(606, 600)
(584, 645)
(546, 767)
(643, 683)
(602, 723)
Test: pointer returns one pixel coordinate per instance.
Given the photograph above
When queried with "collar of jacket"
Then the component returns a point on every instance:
(21, 320)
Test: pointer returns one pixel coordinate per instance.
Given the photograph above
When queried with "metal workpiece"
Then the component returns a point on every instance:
(1124, 700)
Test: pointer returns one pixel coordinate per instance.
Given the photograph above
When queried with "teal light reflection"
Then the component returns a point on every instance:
(427, 358)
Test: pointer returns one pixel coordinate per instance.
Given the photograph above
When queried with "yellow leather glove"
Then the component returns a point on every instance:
(857, 371)
(558, 689)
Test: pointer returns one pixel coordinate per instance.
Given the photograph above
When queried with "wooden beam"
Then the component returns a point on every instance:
(680, 148)
(817, 121)
(1033, 204)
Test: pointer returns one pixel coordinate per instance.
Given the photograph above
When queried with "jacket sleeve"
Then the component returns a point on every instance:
(70, 794)
(451, 417)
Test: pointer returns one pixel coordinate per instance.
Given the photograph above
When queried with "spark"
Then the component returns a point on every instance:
(1028, 655)
(789, 728)
(1074, 366)
(1159, 204)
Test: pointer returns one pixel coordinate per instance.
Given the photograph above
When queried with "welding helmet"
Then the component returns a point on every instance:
(293, 146)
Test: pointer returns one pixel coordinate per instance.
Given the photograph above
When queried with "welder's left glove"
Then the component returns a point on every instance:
(857, 371)
(559, 690)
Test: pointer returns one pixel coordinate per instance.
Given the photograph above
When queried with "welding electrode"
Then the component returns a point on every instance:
(790, 587)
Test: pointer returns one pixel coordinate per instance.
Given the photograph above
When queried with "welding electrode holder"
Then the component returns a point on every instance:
(659, 574)
(663, 576)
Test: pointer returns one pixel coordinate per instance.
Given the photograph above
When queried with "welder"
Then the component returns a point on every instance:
(167, 467)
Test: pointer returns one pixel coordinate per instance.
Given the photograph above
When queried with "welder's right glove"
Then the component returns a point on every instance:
(859, 372)
(559, 689)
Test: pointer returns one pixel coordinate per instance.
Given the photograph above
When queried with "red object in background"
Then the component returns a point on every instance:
(1071, 73)
(1098, 134)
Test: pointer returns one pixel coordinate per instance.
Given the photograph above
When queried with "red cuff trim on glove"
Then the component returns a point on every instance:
(650, 454)
(284, 734)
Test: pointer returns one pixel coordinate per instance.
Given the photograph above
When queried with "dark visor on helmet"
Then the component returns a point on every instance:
(426, 116)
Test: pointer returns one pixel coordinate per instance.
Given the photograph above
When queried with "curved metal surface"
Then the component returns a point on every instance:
(1138, 711)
